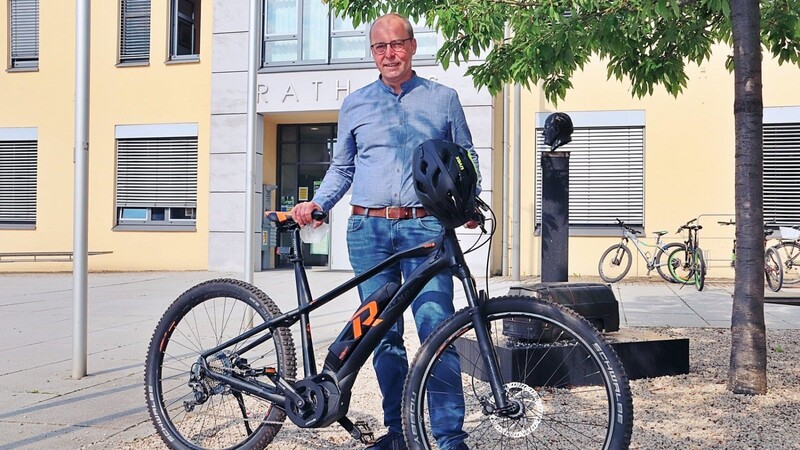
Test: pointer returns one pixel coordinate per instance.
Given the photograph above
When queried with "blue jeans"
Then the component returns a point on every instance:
(370, 240)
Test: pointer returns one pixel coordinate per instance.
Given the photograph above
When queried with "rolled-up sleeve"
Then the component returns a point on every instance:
(339, 176)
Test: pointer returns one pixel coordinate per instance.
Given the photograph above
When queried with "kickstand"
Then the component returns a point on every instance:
(360, 430)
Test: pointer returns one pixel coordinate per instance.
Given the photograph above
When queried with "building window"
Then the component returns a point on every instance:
(17, 183)
(305, 32)
(156, 182)
(134, 40)
(304, 155)
(24, 35)
(606, 169)
(782, 173)
(184, 29)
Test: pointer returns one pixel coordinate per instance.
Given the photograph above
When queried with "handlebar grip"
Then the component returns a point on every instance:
(319, 215)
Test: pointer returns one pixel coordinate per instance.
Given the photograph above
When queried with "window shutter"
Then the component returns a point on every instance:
(134, 31)
(18, 182)
(781, 169)
(157, 172)
(24, 33)
(606, 175)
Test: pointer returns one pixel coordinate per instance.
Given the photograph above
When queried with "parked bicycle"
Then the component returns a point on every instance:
(789, 250)
(221, 368)
(616, 261)
(690, 266)
(773, 267)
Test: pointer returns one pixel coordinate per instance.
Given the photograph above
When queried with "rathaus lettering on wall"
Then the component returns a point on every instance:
(313, 91)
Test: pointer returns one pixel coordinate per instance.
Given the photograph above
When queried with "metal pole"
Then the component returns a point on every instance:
(80, 215)
(252, 117)
(504, 245)
(506, 113)
(515, 245)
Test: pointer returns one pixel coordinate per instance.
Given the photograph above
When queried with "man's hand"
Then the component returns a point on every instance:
(476, 221)
(301, 213)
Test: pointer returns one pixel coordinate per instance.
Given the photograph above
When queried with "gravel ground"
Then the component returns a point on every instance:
(694, 411)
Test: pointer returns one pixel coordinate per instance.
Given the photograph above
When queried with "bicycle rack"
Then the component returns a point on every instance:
(703, 237)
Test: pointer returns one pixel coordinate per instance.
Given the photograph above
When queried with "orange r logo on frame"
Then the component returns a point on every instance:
(371, 320)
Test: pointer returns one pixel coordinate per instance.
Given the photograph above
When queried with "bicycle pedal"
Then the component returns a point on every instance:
(367, 436)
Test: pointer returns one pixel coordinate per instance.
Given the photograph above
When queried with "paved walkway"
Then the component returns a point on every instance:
(41, 406)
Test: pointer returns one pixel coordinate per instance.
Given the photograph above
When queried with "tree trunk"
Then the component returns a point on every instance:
(748, 369)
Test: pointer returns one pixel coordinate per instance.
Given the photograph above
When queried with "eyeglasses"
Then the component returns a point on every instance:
(380, 47)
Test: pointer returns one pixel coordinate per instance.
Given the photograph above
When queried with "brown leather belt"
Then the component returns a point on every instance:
(391, 212)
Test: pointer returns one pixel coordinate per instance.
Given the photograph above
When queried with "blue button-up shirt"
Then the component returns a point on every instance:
(378, 132)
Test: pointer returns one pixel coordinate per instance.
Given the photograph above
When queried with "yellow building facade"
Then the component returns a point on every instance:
(175, 106)
(688, 160)
(150, 92)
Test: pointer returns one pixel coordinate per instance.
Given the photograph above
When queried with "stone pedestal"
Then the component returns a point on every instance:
(643, 354)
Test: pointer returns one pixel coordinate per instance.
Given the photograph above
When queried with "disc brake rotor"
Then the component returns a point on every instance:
(530, 416)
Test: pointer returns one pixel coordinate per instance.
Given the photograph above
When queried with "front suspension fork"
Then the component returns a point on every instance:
(489, 355)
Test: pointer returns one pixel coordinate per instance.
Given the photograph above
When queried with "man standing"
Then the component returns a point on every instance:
(380, 126)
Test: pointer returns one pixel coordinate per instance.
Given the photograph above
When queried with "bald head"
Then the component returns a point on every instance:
(388, 18)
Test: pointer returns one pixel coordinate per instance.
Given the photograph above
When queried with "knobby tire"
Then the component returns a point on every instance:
(570, 383)
(202, 318)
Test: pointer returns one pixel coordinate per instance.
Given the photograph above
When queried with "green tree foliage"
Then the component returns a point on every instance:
(539, 41)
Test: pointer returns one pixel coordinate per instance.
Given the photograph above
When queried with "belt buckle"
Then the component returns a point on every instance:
(386, 212)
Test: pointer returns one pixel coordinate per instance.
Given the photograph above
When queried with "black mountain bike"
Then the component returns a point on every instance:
(691, 267)
(221, 370)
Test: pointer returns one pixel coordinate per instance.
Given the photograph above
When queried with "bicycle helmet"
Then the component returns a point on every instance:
(445, 179)
(557, 130)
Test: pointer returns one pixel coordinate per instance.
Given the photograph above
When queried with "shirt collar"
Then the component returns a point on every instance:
(405, 87)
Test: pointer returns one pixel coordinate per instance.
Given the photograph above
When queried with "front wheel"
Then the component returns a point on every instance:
(191, 410)
(564, 384)
(773, 269)
(699, 269)
(615, 263)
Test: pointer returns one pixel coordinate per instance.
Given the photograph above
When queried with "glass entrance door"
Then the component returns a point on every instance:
(304, 154)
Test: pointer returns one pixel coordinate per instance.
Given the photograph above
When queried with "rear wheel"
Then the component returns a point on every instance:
(662, 260)
(191, 410)
(566, 387)
(615, 263)
(790, 257)
(773, 269)
(681, 266)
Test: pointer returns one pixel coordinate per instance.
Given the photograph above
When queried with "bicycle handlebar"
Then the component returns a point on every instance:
(284, 219)
(622, 225)
(769, 228)
(688, 226)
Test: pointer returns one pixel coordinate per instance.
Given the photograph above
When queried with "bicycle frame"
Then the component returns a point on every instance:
(443, 253)
(649, 260)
